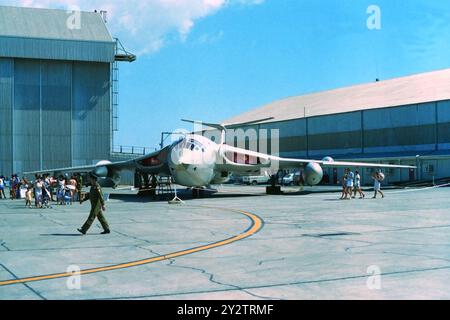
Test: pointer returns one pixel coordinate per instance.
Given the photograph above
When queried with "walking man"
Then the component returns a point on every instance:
(95, 195)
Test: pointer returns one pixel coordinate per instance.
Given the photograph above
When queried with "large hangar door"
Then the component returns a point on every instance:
(56, 114)
(91, 113)
(6, 90)
(27, 115)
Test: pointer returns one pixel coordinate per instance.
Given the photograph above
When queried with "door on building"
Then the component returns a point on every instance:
(429, 169)
(326, 177)
(335, 176)
(412, 174)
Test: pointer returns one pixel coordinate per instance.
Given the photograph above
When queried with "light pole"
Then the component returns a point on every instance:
(418, 171)
(165, 135)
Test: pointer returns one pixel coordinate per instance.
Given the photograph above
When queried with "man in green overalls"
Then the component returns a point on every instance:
(95, 195)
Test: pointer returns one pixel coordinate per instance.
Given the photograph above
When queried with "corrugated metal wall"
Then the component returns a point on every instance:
(421, 127)
(6, 100)
(292, 136)
(400, 129)
(377, 134)
(32, 33)
(91, 129)
(57, 49)
(56, 114)
(53, 114)
(443, 117)
(331, 132)
(26, 109)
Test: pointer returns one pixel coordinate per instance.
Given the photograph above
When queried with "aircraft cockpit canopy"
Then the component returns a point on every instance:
(191, 144)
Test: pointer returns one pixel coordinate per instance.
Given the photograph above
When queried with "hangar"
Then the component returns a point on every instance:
(57, 89)
(399, 121)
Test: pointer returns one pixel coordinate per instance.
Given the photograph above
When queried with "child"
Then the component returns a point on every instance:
(67, 196)
(61, 190)
(28, 197)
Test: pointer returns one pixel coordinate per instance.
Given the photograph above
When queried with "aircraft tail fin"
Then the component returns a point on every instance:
(233, 125)
(223, 128)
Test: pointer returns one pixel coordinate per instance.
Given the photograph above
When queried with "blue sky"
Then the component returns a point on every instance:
(213, 59)
(244, 57)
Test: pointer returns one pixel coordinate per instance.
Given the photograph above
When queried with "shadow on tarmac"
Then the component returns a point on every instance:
(185, 195)
(62, 235)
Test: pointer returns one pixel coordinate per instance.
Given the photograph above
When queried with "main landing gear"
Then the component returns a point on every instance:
(198, 193)
(274, 188)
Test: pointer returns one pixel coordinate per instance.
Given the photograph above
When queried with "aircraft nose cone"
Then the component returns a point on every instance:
(186, 167)
(182, 166)
(187, 160)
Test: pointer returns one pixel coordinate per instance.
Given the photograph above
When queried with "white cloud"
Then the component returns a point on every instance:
(145, 26)
(209, 38)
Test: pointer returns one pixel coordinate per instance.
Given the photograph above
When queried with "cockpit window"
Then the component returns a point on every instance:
(194, 145)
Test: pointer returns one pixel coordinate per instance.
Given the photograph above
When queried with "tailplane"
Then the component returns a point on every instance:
(223, 128)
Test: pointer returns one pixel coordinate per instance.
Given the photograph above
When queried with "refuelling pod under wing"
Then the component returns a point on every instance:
(313, 174)
(107, 177)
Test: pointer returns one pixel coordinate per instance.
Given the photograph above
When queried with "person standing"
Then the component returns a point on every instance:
(350, 181)
(79, 180)
(13, 187)
(60, 190)
(73, 188)
(28, 196)
(377, 186)
(54, 181)
(95, 196)
(38, 186)
(48, 185)
(46, 195)
(344, 185)
(358, 186)
(2, 188)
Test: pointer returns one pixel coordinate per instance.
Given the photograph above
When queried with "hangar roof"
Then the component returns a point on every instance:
(46, 34)
(419, 88)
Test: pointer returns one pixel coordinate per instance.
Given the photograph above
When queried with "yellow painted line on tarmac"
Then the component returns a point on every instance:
(256, 225)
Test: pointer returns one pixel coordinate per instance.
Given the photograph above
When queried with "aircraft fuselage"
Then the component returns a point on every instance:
(192, 161)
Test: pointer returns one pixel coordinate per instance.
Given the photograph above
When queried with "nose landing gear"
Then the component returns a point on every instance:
(176, 199)
(274, 188)
(198, 193)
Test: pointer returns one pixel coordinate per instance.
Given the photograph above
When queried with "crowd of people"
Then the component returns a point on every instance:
(63, 190)
(351, 185)
(44, 190)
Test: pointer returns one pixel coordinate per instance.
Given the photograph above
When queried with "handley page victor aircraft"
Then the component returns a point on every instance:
(197, 161)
